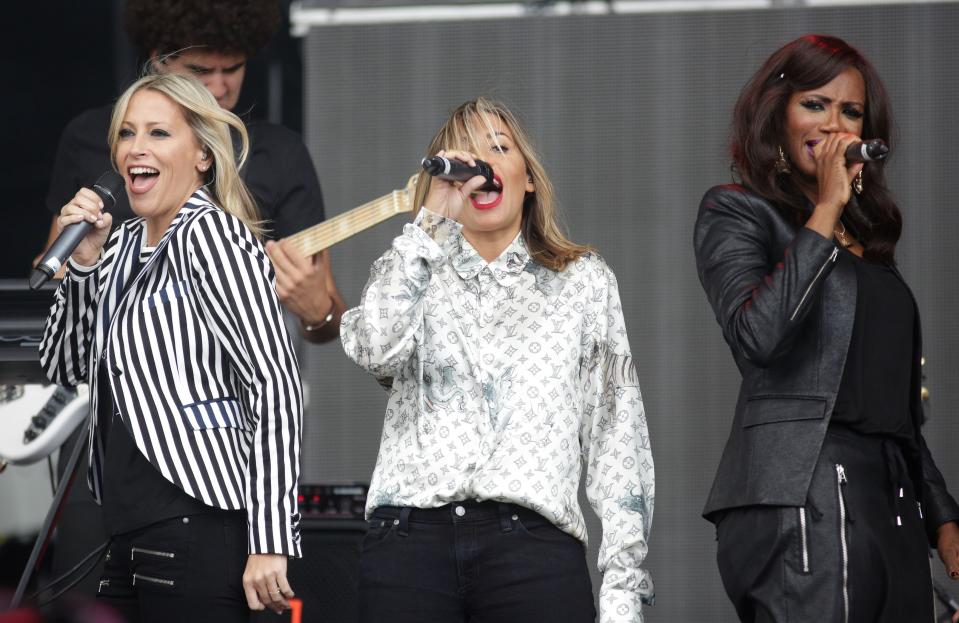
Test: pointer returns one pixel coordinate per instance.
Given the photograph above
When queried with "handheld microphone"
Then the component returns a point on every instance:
(456, 171)
(867, 151)
(106, 187)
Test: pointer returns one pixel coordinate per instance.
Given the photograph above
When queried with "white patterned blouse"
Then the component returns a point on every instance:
(507, 379)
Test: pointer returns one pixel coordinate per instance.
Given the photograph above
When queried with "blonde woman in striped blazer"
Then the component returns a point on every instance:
(195, 394)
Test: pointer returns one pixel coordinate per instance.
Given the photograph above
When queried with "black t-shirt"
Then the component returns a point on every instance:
(135, 493)
(874, 394)
(279, 172)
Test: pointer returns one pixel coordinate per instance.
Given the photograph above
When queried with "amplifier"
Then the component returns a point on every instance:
(23, 313)
(325, 580)
(333, 500)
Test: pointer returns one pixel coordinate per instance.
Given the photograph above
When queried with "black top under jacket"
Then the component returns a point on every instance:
(874, 393)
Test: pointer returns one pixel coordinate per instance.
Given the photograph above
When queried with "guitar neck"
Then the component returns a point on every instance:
(324, 235)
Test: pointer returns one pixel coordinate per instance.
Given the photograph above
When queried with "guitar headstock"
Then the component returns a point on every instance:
(403, 198)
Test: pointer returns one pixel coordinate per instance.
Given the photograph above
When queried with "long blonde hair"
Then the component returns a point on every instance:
(541, 229)
(211, 128)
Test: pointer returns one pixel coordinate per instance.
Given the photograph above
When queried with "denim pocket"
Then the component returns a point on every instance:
(158, 557)
(541, 529)
(155, 568)
(378, 531)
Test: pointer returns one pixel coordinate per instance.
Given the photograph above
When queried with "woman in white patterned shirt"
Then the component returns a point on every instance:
(511, 371)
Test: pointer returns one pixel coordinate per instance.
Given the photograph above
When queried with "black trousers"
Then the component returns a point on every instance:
(184, 570)
(467, 561)
(857, 551)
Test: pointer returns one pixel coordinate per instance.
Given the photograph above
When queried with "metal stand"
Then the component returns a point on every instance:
(50, 522)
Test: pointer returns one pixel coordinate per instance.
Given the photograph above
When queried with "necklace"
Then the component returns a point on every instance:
(841, 236)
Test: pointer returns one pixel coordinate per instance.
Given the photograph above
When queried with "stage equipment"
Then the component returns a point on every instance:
(326, 578)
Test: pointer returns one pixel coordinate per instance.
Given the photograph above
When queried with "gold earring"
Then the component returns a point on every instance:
(782, 165)
(857, 183)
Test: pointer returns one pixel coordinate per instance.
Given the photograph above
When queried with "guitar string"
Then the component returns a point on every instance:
(344, 225)
(341, 228)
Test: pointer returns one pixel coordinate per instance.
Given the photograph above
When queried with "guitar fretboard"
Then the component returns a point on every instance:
(329, 232)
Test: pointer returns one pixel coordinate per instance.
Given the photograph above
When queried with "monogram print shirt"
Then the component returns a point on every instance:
(507, 378)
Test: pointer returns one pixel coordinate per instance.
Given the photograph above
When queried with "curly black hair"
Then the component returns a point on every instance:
(225, 26)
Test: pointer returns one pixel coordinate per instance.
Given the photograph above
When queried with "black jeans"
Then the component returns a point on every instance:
(856, 552)
(481, 562)
(185, 570)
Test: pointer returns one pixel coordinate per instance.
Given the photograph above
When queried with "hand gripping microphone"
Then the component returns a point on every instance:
(456, 171)
(867, 151)
(107, 187)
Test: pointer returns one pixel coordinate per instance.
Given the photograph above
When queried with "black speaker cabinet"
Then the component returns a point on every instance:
(325, 578)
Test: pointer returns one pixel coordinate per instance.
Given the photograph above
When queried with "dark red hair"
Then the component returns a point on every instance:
(759, 130)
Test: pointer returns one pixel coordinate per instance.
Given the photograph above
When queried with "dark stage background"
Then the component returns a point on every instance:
(631, 113)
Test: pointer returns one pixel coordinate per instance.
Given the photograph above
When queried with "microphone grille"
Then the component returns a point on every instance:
(108, 186)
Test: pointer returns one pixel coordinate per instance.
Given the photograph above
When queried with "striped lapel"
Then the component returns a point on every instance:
(127, 250)
(195, 205)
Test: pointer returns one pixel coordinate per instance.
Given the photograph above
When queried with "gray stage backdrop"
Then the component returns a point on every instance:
(632, 116)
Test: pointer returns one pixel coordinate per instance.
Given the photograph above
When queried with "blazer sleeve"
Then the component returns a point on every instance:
(68, 333)
(760, 301)
(235, 288)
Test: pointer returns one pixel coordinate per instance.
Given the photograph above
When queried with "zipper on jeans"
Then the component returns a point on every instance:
(147, 578)
(151, 552)
(832, 258)
(804, 539)
(841, 481)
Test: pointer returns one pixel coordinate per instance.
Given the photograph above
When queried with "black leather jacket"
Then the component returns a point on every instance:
(787, 309)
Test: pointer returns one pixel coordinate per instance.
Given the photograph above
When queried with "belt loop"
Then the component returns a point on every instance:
(505, 521)
(404, 525)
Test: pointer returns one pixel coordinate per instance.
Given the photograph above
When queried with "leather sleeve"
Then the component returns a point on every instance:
(759, 300)
(938, 507)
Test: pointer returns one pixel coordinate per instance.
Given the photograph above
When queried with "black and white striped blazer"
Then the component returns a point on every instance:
(200, 364)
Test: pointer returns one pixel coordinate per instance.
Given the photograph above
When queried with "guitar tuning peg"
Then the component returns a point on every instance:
(922, 360)
(924, 393)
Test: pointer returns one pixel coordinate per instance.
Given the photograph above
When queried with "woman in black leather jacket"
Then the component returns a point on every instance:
(826, 497)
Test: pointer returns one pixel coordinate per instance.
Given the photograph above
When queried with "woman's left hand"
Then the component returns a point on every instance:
(947, 543)
(264, 582)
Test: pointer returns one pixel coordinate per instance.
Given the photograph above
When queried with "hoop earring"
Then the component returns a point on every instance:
(782, 165)
(857, 184)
